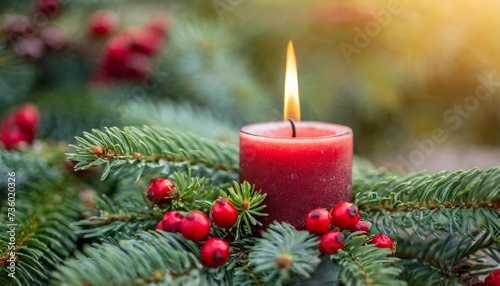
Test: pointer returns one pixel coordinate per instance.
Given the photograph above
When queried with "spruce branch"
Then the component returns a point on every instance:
(455, 256)
(44, 235)
(27, 168)
(460, 201)
(249, 203)
(283, 251)
(360, 263)
(147, 147)
(152, 258)
(118, 218)
(192, 193)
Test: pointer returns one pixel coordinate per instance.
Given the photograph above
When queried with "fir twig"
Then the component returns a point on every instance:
(365, 264)
(460, 201)
(43, 232)
(151, 147)
(149, 258)
(283, 251)
(249, 203)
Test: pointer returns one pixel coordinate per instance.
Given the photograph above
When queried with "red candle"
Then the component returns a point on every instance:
(301, 165)
(299, 174)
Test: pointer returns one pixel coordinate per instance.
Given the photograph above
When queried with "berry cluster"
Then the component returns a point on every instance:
(29, 36)
(195, 225)
(19, 127)
(128, 54)
(344, 216)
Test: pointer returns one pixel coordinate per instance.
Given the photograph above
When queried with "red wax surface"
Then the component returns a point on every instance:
(312, 170)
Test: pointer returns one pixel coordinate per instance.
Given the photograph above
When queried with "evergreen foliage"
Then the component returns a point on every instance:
(44, 235)
(361, 263)
(133, 148)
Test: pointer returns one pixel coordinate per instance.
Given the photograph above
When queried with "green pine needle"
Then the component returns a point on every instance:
(361, 263)
(152, 258)
(249, 203)
(151, 147)
(283, 251)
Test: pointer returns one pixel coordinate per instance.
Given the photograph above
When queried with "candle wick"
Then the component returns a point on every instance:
(293, 128)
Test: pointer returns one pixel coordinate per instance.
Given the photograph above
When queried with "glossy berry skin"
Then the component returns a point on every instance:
(362, 225)
(172, 221)
(318, 221)
(493, 279)
(383, 241)
(195, 226)
(159, 226)
(102, 22)
(160, 190)
(214, 252)
(345, 215)
(223, 213)
(331, 242)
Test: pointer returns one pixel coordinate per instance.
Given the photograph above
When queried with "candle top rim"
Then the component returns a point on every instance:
(264, 128)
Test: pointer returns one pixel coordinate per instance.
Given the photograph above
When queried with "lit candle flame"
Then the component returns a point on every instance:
(292, 104)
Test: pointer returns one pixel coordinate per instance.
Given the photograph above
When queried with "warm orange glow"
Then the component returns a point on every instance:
(292, 104)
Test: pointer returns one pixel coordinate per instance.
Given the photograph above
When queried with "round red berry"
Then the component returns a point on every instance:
(215, 252)
(146, 42)
(345, 215)
(160, 190)
(318, 220)
(362, 225)
(102, 22)
(172, 221)
(159, 226)
(224, 214)
(331, 242)
(195, 226)
(493, 279)
(27, 117)
(383, 241)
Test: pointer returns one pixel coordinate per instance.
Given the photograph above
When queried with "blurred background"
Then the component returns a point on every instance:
(418, 81)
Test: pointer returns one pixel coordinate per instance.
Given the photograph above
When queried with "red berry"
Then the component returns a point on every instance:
(13, 138)
(159, 226)
(331, 242)
(160, 25)
(318, 220)
(345, 215)
(215, 252)
(136, 66)
(116, 54)
(383, 241)
(146, 42)
(103, 22)
(172, 221)
(493, 279)
(224, 214)
(195, 226)
(362, 225)
(48, 7)
(160, 190)
(27, 117)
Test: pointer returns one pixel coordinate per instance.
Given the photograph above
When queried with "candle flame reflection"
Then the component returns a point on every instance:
(292, 104)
